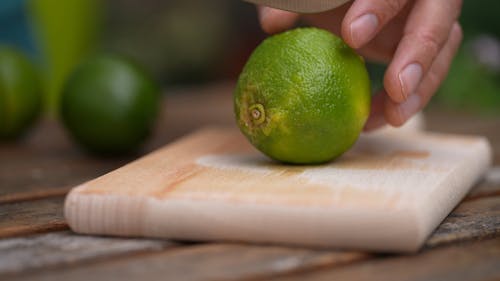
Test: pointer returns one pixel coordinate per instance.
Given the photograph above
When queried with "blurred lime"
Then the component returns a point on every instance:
(109, 105)
(20, 93)
(303, 96)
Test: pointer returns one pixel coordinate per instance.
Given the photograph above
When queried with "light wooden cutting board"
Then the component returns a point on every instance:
(388, 193)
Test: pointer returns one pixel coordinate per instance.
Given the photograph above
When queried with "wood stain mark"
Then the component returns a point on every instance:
(22, 230)
(411, 154)
(178, 176)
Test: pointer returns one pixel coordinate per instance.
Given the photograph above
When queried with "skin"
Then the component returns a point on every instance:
(422, 34)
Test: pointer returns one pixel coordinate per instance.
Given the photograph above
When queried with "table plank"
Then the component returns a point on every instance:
(34, 195)
(476, 261)
(61, 249)
(477, 219)
(24, 218)
(48, 159)
(203, 262)
(472, 220)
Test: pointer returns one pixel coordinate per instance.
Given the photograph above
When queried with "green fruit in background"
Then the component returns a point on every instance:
(20, 93)
(66, 31)
(303, 97)
(109, 105)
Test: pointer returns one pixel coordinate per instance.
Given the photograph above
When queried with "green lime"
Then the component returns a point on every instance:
(20, 93)
(303, 97)
(109, 104)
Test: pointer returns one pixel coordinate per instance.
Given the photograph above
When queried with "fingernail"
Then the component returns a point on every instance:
(410, 78)
(363, 28)
(409, 107)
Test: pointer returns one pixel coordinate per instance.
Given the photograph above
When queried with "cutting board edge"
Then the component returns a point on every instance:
(135, 216)
(482, 164)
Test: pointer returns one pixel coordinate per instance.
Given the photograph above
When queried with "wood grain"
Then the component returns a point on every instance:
(251, 262)
(47, 160)
(472, 220)
(477, 261)
(203, 262)
(60, 249)
(33, 195)
(24, 218)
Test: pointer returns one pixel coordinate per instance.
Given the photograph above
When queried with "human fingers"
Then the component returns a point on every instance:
(366, 18)
(274, 20)
(425, 34)
(398, 113)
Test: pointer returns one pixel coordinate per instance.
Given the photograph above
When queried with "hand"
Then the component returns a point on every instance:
(417, 38)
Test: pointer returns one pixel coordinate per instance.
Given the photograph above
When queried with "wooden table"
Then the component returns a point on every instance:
(35, 243)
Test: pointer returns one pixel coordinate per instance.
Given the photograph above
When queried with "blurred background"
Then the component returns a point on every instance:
(197, 41)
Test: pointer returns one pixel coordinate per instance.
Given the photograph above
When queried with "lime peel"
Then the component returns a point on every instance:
(303, 97)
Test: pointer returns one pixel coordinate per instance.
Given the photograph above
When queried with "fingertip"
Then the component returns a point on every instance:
(393, 115)
(274, 20)
(397, 114)
(359, 31)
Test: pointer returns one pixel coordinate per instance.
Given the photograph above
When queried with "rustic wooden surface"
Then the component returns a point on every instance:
(36, 172)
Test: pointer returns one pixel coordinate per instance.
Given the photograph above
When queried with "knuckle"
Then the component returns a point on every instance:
(430, 42)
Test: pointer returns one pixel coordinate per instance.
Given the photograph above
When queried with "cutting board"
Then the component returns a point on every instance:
(387, 193)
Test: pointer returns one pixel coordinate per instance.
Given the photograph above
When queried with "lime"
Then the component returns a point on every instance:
(109, 104)
(303, 97)
(20, 93)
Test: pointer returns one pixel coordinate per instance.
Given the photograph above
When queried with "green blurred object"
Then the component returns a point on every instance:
(109, 105)
(67, 32)
(471, 85)
(20, 93)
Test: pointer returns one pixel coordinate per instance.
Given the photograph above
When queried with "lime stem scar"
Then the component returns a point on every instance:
(258, 113)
